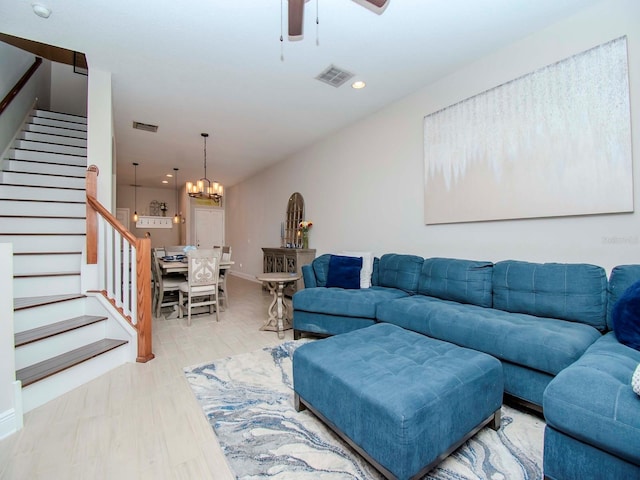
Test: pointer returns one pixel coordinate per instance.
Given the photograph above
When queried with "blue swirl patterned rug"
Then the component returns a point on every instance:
(248, 400)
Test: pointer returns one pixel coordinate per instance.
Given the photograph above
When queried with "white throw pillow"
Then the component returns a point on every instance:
(635, 380)
(367, 266)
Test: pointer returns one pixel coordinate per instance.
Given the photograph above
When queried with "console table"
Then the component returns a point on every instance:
(287, 260)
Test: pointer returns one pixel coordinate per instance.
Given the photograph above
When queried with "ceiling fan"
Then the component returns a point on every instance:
(296, 13)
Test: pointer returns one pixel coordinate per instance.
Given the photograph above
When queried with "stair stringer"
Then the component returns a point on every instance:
(116, 326)
(43, 391)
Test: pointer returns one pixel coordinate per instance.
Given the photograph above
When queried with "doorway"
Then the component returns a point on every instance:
(208, 227)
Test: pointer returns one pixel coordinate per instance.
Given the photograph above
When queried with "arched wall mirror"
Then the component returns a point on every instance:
(295, 214)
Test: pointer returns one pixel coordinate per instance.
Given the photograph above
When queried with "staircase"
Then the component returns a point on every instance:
(63, 338)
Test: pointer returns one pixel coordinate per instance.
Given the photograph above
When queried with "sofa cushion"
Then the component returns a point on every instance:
(545, 344)
(464, 281)
(635, 380)
(621, 278)
(575, 292)
(400, 271)
(344, 302)
(593, 401)
(344, 272)
(321, 269)
(626, 317)
(367, 266)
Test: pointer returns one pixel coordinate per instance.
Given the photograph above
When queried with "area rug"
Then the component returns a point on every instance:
(248, 400)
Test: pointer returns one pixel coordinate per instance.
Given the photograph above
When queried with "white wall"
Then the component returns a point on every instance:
(68, 90)
(14, 63)
(100, 133)
(363, 186)
(159, 236)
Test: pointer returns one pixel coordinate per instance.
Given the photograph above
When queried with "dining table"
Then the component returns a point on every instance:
(182, 267)
(177, 266)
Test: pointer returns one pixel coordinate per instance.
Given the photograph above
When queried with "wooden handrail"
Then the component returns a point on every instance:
(19, 85)
(142, 246)
(113, 221)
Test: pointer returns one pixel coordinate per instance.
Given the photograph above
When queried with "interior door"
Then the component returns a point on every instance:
(209, 227)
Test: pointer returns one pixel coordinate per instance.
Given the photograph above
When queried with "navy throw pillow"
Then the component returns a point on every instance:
(344, 272)
(626, 317)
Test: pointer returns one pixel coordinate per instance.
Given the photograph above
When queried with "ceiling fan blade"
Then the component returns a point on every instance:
(376, 6)
(296, 17)
(377, 3)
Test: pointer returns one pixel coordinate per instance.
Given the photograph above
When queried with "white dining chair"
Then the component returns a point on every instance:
(174, 249)
(222, 288)
(163, 284)
(201, 287)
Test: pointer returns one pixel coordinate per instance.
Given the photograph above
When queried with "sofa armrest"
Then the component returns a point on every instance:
(309, 276)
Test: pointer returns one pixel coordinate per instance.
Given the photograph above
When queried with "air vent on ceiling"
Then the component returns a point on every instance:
(334, 76)
(145, 126)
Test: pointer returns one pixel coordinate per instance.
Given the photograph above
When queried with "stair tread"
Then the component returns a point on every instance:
(47, 253)
(46, 331)
(36, 128)
(23, 131)
(24, 185)
(37, 112)
(42, 174)
(22, 303)
(49, 234)
(46, 274)
(43, 216)
(44, 142)
(45, 162)
(19, 149)
(39, 201)
(47, 368)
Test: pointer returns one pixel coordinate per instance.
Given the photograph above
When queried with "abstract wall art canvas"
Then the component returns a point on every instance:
(554, 142)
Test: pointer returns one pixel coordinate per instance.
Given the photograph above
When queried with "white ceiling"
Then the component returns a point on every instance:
(215, 66)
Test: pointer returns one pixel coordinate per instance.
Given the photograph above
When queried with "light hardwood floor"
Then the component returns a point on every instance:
(141, 421)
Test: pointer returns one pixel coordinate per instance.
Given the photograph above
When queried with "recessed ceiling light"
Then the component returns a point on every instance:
(165, 181)
(170, 175)
(41, 10)
(358, 84)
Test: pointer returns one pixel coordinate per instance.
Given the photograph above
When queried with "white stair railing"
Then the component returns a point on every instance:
(124, 268)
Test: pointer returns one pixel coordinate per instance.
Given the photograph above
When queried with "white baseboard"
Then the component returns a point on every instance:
(246, 276)
(7, 423)
(11, 420)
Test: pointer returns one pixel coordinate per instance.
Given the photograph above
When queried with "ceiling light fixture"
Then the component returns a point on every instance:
(41, 10)
(176, 217)
(135, 191)
(204, 188)
(358, 84)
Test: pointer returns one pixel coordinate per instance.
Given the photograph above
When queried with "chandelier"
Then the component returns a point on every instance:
(205, 188)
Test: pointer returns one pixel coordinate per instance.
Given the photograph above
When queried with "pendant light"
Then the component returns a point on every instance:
(176, 217)
(135, 191)
(204, 188)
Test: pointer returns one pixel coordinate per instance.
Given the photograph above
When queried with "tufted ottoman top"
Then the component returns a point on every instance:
(402, 397)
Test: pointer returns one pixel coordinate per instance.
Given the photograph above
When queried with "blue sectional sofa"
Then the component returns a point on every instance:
(592, 413)
(548, 324)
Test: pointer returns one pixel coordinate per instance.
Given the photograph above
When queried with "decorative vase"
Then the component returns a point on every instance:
(305, 239)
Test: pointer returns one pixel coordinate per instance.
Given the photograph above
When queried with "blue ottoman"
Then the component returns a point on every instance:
(404, 401)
